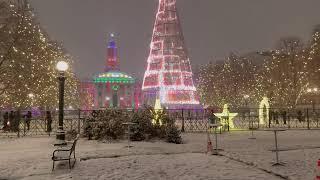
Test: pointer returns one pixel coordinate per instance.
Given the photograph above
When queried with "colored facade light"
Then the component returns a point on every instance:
(114, 77)
(113, 88)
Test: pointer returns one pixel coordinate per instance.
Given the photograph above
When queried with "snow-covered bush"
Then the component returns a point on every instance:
(144, 129)
(106, 124)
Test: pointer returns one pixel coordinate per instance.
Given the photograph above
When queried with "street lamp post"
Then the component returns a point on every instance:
(31, 96)
(246, 97)
(62, 66)
(313, 92)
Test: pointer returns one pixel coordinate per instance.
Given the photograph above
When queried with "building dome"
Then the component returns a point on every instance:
(114, 77)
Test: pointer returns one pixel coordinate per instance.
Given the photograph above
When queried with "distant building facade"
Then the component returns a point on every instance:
(111, 88)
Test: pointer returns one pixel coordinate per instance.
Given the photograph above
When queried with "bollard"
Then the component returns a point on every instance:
(216, 137)
(228, 124)
(269, 120)
(308, 122)
(289, 118)
(276, 144)
(24, 127)
(18, 128)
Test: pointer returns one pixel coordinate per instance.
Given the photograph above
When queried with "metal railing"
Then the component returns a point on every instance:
(187, 120)
(39, 125)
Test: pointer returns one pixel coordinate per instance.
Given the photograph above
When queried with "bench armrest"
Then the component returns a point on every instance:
(59, 150)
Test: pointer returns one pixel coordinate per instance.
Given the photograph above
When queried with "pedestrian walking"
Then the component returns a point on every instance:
(10, 121)
(5, 121)
(28, 119)
(49, 122)
(17, 118)
(276, 117)
(284, 116)
(299, 116)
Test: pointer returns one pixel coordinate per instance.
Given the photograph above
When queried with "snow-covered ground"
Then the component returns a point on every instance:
(242, 158)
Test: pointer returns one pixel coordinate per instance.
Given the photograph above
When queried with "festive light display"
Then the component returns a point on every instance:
(264, 108)
(27, 62)
(286, 76)
(314, 57)
(87, 95)
(157, 110)
(112, 62)
(283, 75)
(310, 95)
(113, 88)
(226, 116)
(231, 81)
(114, 77)
(168, 75)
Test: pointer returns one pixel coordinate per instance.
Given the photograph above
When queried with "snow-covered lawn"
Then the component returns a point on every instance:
(242, 158)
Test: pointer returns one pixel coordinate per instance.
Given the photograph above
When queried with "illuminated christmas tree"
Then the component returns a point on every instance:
(168, 75)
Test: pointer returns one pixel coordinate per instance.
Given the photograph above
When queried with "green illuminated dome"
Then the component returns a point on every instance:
(114, 77)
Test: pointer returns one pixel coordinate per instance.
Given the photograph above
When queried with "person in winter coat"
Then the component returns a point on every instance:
(284, 116)
(276, 117)
(28, 119)
(5, 121)
(49, 121)
(17, 118)
(299, 116)
(10, 121)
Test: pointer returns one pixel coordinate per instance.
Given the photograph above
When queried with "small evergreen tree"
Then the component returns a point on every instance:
(172, 133)
(143, 129)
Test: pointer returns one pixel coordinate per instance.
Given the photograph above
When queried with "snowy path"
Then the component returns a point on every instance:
(29, 158)
(179, 166)
(187, 166)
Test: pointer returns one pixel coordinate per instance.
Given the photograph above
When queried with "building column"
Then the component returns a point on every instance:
(132, 96)
(103, 99)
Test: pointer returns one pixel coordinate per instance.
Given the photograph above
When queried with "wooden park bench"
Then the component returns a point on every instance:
(64, 153)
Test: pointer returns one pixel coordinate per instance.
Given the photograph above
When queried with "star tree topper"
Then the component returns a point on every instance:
(226, 115)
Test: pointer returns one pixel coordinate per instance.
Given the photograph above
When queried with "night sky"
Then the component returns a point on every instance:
(212, 28)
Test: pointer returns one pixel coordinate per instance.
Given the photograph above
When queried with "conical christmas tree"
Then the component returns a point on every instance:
(168, 75)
